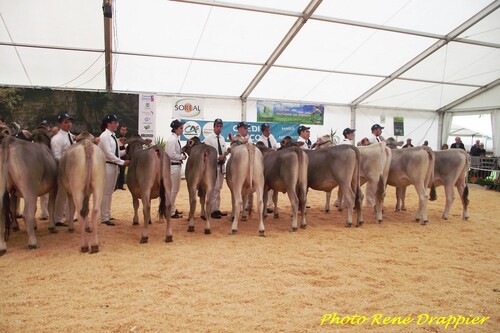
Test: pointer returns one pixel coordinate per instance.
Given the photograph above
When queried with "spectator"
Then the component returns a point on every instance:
(120, 183)
(458, 143)
(444, 146)
(482, 151)
(425, 144)
(408, 144)
(475, 150)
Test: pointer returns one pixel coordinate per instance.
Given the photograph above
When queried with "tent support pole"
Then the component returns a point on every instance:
(108, 40)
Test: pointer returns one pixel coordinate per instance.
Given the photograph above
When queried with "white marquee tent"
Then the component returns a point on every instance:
(367, 61)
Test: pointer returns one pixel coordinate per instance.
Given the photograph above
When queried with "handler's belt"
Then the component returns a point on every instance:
(112, 163)
(175, 163)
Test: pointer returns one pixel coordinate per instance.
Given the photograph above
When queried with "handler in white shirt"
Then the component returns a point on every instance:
(216, 140)
(58, 144)
(109, 145)
(348, 136)
(376, 134)
(267, 138)
(173, 150)
(304, 134)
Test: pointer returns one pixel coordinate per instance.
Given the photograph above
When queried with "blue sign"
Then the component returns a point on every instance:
(203, 128)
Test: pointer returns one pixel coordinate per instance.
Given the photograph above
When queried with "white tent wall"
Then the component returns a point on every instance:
(495, 126)
(418, 125)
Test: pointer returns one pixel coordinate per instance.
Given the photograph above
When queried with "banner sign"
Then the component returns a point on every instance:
(399, 126)
(147, 116)
(290, 113)
(188, 108)
(203, 128)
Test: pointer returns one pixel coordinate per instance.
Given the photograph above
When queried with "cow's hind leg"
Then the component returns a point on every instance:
(29, 219)
(422, 204)
(294, 201)
(135, 203)
(146, 209)
(463, 191)
(72, 206)
(78, 197)
(450, 197)
(96, 211)
(192, 206)
(206, 206)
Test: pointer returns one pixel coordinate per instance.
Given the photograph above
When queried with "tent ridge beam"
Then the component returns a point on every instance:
(470, 95)
(433, 48)
(51, 47)
(294, 30)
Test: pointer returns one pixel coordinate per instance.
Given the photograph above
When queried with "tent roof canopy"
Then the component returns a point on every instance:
(428, 55)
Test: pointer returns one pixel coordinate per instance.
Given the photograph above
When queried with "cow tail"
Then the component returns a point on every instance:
(251, 159)
(430, 179)
(88, 146)
(162, 209)
(465, 195)
(358, 200)
(5, 201)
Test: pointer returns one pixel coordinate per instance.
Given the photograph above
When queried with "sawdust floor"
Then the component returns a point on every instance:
(285, 282)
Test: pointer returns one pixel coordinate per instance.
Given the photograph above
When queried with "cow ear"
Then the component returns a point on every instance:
(298, 144)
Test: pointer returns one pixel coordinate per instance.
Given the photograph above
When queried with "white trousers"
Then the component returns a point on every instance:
(217, 188)
(109, 188)
(175, 175)
(61, 209)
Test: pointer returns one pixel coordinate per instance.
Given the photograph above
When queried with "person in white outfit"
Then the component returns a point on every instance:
(348, 136)
(376, 134)
(216, 140)
(109, 145)
(58, 144)
(270, 142)
(173, 150)
(304, 134)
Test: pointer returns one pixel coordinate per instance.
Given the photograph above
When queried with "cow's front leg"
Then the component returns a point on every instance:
(135, 203)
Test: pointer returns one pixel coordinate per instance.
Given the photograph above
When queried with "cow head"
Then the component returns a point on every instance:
(324, 141)
(263, 148)
(135, 143)
(190, 144)
(288, 142)
(393, 144)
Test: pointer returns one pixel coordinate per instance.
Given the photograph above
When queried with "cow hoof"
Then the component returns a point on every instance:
(94, 249)
(340, 209)
(359, 224)
(190, 229)
(243, 218)
(71, 230)
(424, 223)
(36, 227)
(262, 233)
(204, 218)
(303, 226)
(294, 229)
(2, 252)
(144, 239)
(233, 232)
(53, 230)
(207, 232)
(135, 223)
(397, 210)
(276, 215)
(445, 218)
(327, 211)
(417, 220)
(379, 221)
(15, 229)
(87, 229)
(169, 239)
(466, 218)
(150, 222)
(348, 225)
(403, 209)
(33, 246)
(84, 249)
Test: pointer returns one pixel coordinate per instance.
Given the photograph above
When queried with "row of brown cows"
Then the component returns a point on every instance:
(291, 170)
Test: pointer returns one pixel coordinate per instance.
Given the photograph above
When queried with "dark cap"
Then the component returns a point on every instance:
(242, 124)
(63, 116)
(376, 126)
(109, 118)
(176, 123)
(45, 123)
(264, 126)
(302, 128)
(218, 121)
(408, 139)
(348, 130)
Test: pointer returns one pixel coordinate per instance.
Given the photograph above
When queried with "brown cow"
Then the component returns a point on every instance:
(450, 170)
(201, 174)
(149, 178)
(286, 171)
(244, 175)
(375, 161)
(332, 167)
(27, 170)
(412, 166)
(81, 174)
